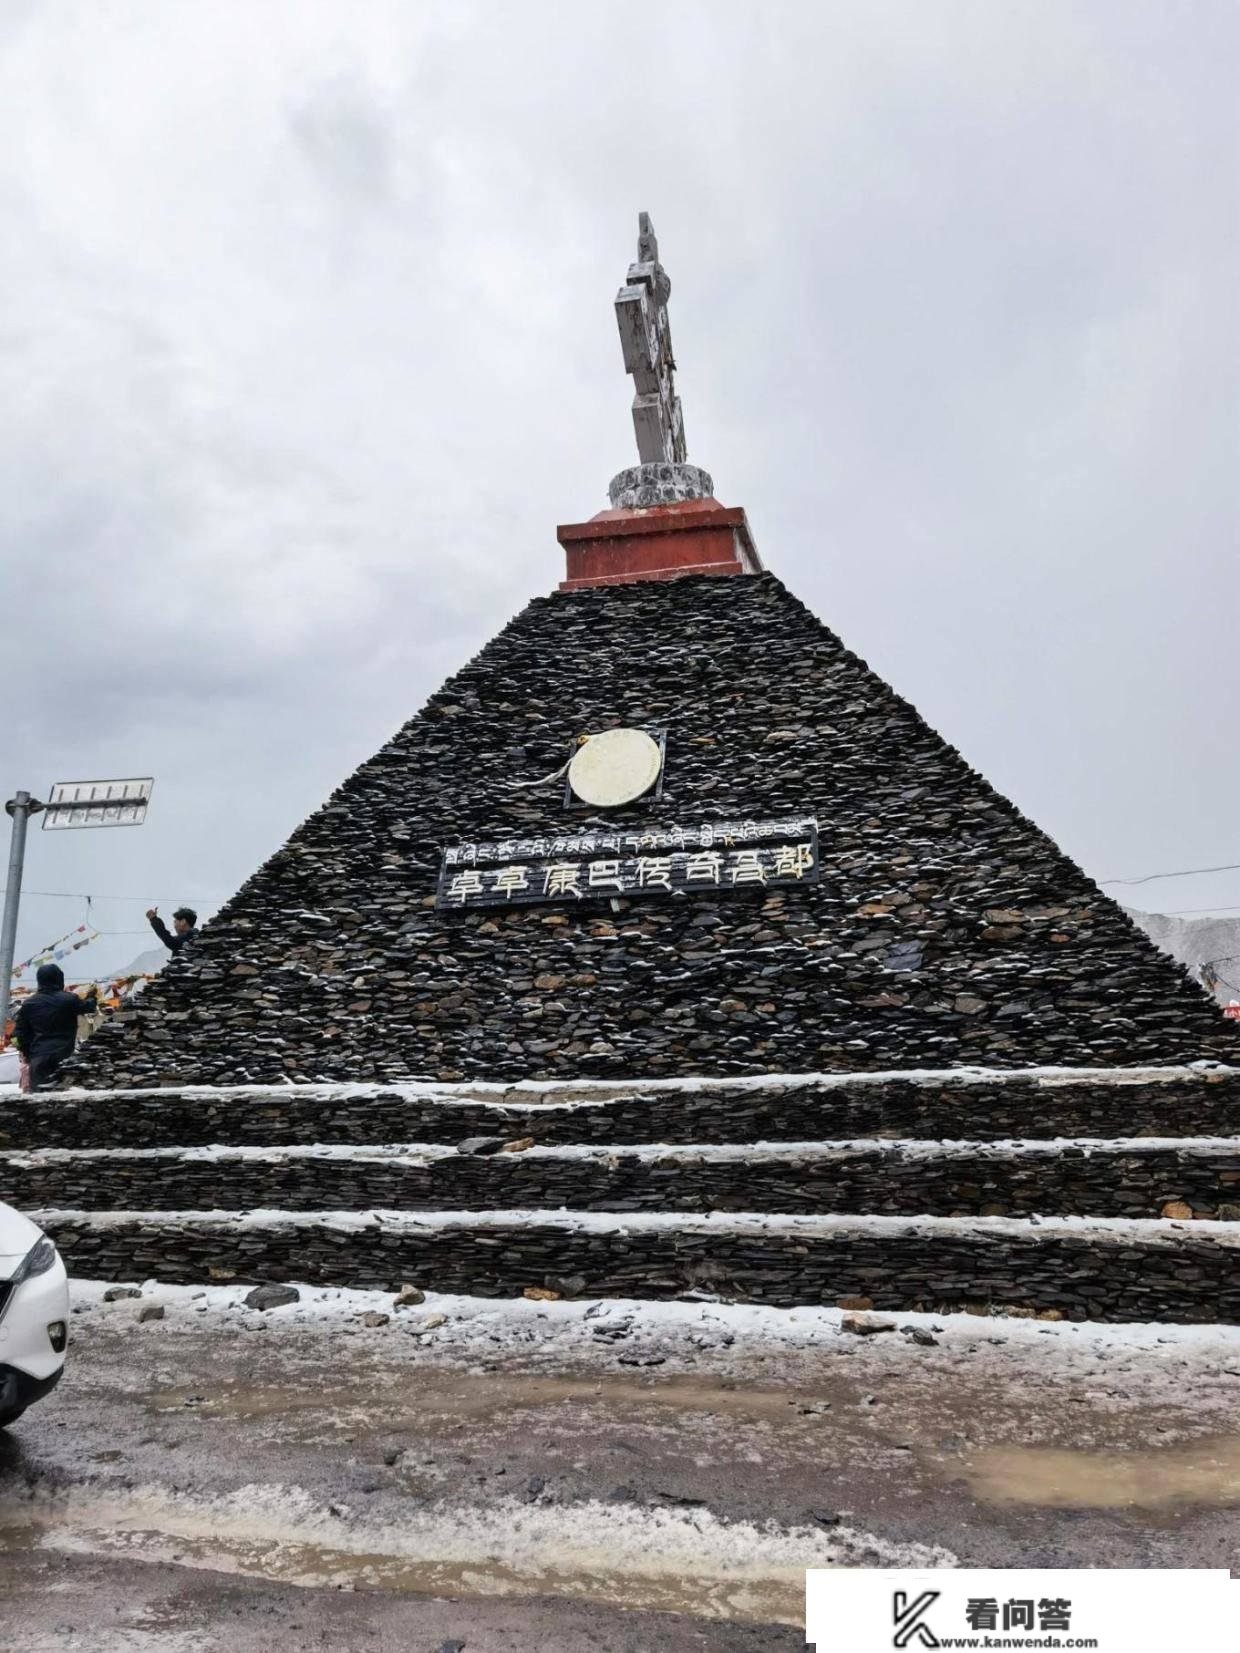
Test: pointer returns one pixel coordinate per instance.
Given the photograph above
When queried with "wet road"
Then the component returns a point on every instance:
(559, 1477)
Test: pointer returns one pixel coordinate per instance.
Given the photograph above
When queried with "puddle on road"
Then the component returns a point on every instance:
(1205, 1473)
(638, 1559)
(479, 1397)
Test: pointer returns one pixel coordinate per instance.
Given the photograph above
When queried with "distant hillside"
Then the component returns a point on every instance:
(146, 964)
(1198, 941)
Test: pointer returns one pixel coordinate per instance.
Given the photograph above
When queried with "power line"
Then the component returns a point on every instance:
(85, 895)
(1187, 872)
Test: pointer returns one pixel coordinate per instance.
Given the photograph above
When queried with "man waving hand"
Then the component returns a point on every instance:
(185, 920)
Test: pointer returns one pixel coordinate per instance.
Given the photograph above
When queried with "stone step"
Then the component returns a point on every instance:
(1080, 1268)
(977, 1104)
(1121, 1178)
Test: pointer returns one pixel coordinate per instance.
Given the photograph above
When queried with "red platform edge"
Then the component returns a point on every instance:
(658, 542)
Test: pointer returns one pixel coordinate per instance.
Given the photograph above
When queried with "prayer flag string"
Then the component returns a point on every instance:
(58, 949)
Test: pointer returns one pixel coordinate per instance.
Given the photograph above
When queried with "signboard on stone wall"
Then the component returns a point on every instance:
(662, 861)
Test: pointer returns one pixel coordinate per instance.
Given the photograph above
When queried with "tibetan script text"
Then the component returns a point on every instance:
(596, 866)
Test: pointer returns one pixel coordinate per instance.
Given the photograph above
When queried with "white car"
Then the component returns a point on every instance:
(34, 1314)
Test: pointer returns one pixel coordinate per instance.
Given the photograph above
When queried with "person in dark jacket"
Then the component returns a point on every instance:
(45, 1029)
(185, 927)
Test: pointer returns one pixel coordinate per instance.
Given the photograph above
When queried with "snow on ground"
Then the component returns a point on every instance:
(1115, 1370)
(634, 1543)
(684, 1385)
(464, 1324)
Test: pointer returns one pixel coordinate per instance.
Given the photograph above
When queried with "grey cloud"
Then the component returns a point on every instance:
(347, 139)
(308, 347)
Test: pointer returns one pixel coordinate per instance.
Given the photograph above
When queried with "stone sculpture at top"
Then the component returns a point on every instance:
(646, 339)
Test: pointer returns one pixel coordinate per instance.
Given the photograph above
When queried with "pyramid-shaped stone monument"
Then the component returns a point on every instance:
(672, 897)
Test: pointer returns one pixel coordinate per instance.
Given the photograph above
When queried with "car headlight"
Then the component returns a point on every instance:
(40, 1257)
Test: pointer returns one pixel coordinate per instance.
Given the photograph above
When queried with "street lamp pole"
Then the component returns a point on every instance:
(21, 808)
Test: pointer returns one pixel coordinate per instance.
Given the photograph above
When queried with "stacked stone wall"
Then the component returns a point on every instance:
(1081, 1181)
(946, 929)
(1089, 1275)
(1015, 1107)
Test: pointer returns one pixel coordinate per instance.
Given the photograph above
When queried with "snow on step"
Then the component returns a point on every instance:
(1112, 1230)
(539, 1093)
(422, 1153)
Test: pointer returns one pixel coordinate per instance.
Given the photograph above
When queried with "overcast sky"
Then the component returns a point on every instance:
(307, 345)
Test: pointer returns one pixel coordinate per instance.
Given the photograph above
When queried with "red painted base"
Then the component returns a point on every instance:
(658, 542)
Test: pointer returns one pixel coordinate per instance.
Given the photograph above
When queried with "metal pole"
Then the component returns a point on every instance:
(19, 808)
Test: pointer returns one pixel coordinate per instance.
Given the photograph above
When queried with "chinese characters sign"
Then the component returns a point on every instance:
(1053, 1613)
(722, 855)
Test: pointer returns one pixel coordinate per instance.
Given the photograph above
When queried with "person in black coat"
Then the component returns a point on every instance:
(185, 927)
(45, 1029)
